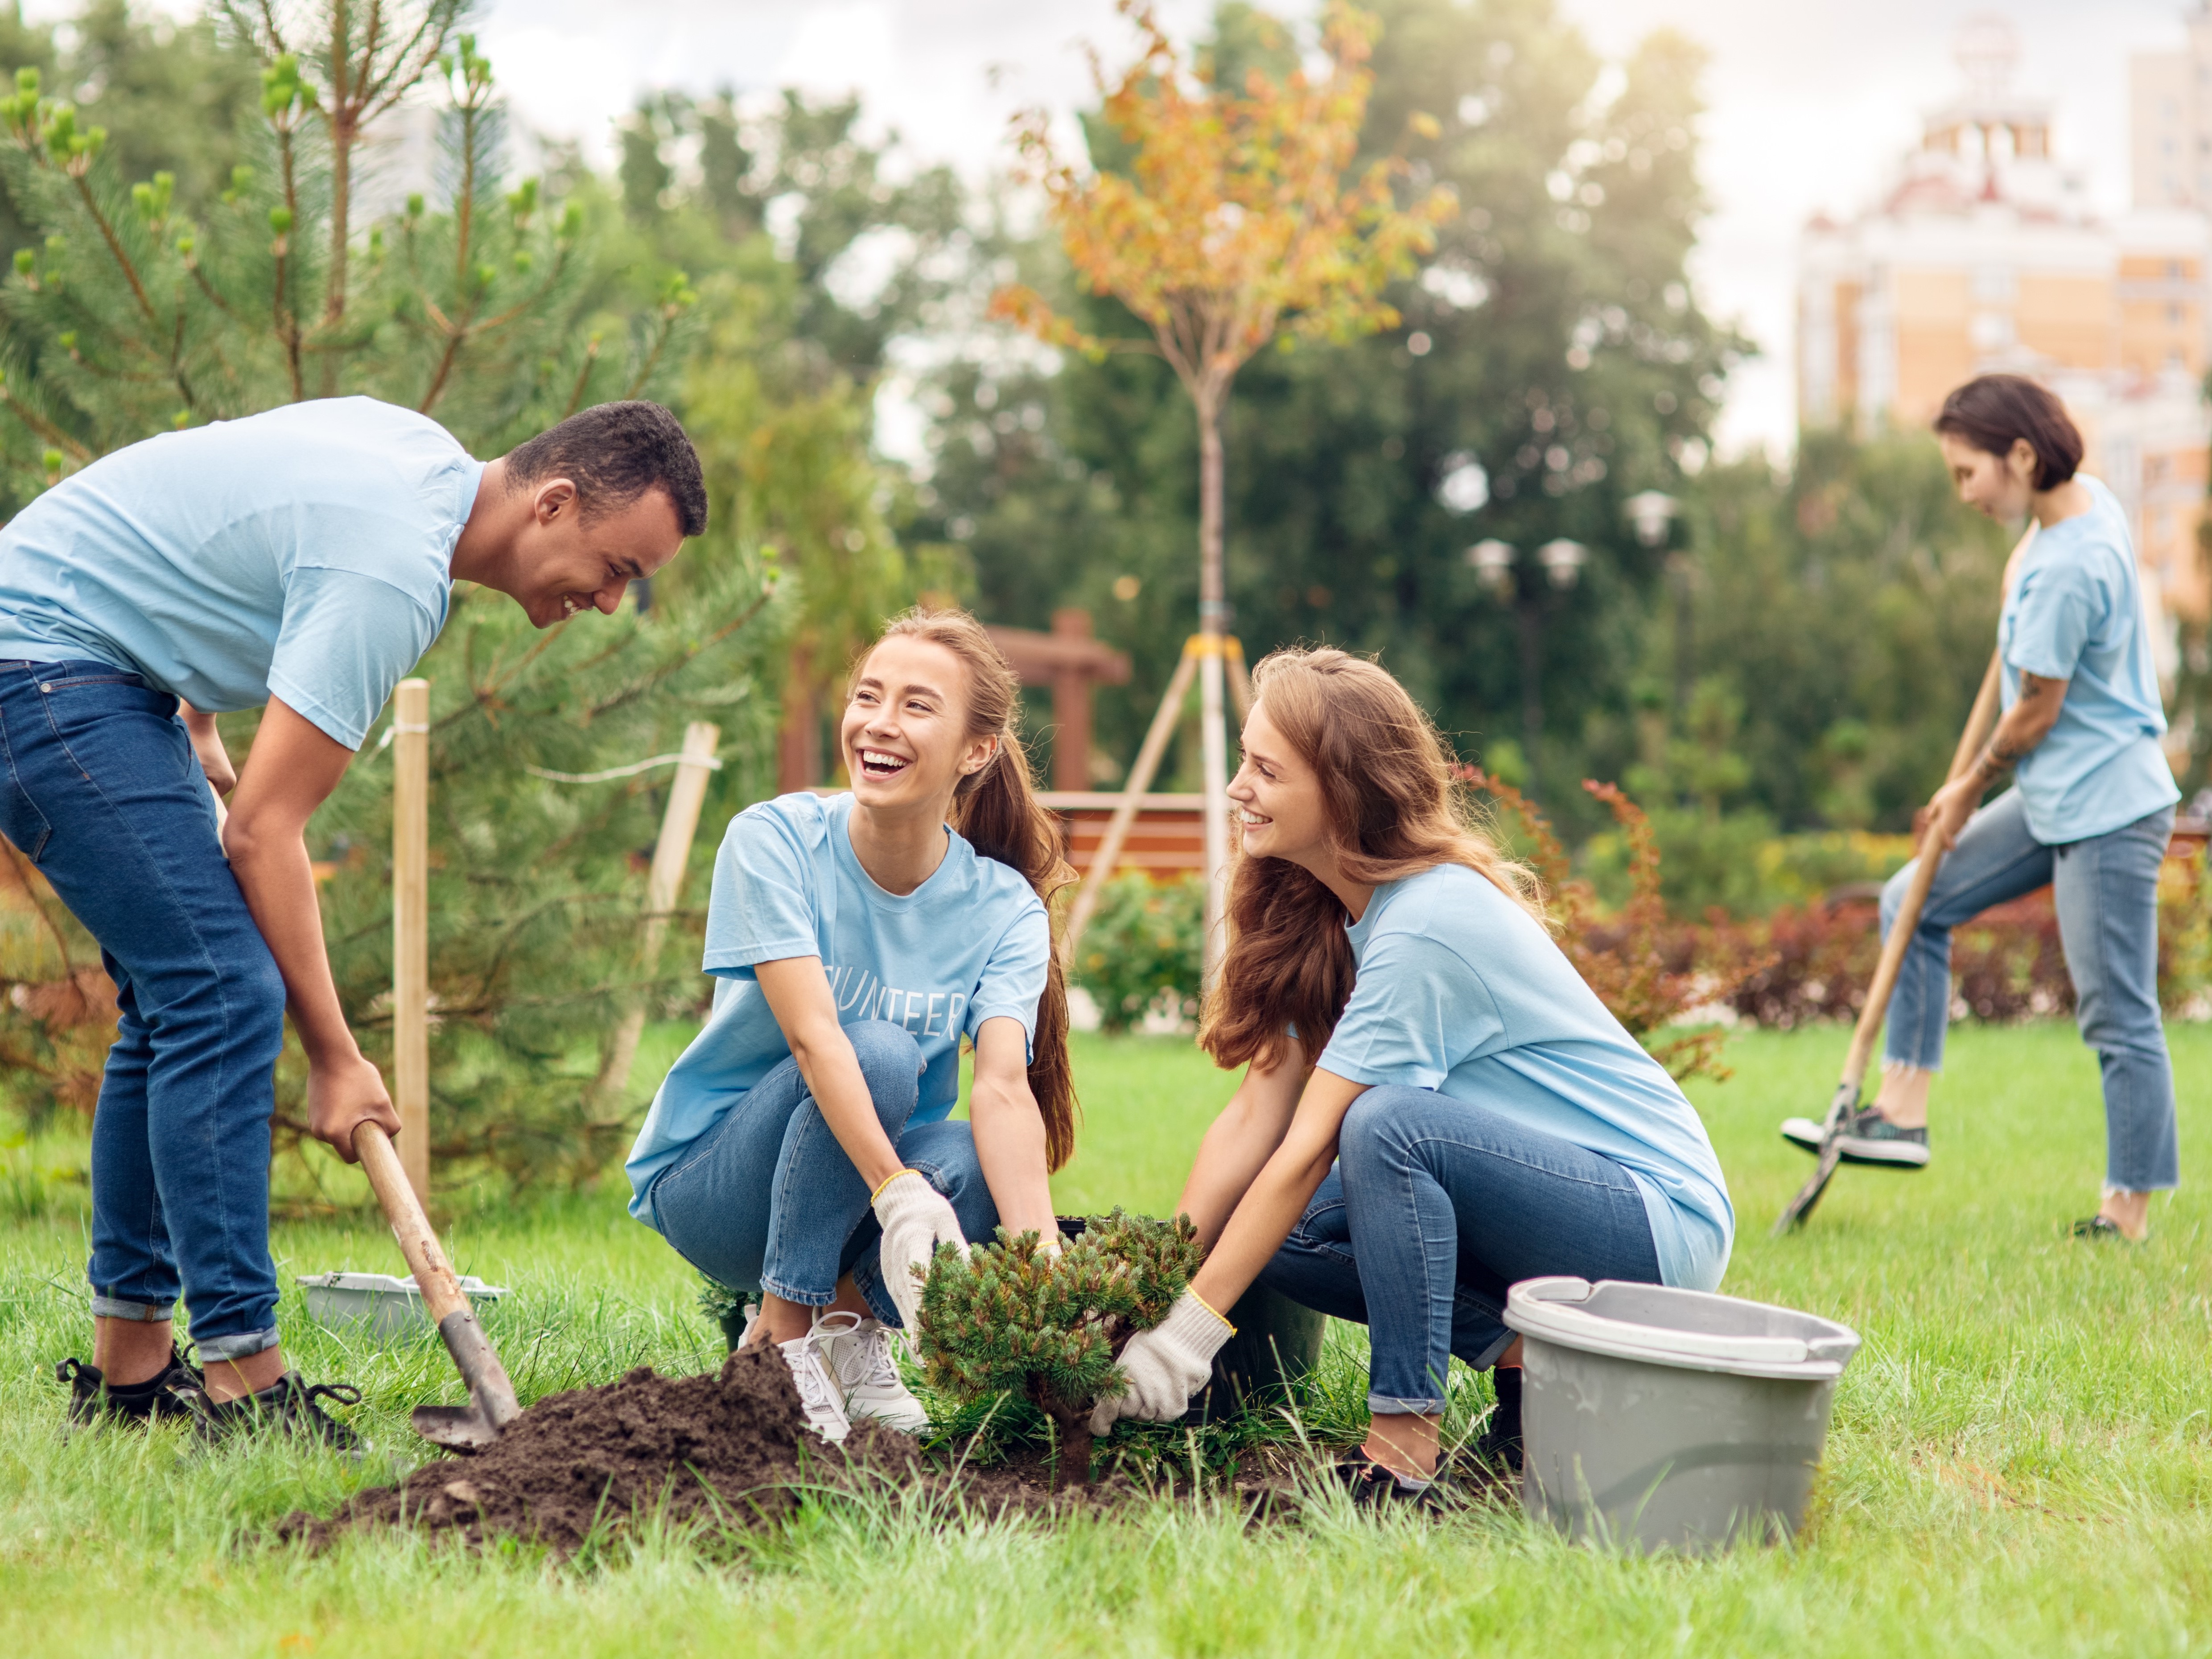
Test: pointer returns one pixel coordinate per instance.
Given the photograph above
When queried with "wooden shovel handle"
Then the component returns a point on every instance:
(1979, 724)
(434, 1274)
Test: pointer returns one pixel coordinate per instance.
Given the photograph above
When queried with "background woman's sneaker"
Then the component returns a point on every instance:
(861, 1359)
(1868, 1138)
(1373, 1486)
(287, 1405)
(169, 1396)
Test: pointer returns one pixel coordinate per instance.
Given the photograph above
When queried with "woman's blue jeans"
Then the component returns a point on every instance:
(768, 1200)
(2105, 889)
(101, 791)
(1435, 1208)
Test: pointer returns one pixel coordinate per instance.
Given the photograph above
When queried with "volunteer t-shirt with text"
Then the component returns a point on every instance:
(971, 944)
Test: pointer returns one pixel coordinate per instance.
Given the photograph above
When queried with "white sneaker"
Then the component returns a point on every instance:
(860, 1358)
(818, 1392)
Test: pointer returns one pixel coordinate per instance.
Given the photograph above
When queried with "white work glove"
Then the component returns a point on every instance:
(915, 1220)
(1166, 1366)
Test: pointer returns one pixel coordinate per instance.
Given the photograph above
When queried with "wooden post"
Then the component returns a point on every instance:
(679, 826)
(1132, 796)
(410, 929)
(1071, 708)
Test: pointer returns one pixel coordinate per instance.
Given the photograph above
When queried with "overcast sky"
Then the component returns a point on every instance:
(1810, 101)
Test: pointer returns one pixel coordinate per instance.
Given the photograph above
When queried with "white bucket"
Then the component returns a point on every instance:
(1655, 1418)
(378, 1306)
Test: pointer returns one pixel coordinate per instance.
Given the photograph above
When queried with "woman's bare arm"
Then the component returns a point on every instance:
(1010, 1138)
(1240, 1141)
(1279, 1195)
(797, 993)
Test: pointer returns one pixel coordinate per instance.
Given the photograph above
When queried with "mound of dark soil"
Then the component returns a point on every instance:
(731, 1445)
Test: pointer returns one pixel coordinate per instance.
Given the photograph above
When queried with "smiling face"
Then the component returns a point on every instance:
(1278, 799)
(2000, 487)
(904, 735)
(575, 563)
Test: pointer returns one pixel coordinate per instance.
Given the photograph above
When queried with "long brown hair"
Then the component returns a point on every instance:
(996, 808)
(1395, 808)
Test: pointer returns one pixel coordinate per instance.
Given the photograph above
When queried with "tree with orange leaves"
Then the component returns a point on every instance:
(1235, 224)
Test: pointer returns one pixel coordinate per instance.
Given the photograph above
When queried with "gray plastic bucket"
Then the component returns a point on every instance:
(378, 1306)
(1655, 1418)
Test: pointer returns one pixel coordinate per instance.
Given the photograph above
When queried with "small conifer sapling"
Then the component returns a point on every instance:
(1017, 1318)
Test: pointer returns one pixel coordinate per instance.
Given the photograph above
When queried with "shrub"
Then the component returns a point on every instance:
(1013, 1318)
(1145, 941)
(1648, 970)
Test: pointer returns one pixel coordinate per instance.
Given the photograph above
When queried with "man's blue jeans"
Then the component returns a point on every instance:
(768, 1200)
(101, 791)
(1435, 1208)
(2106, 892)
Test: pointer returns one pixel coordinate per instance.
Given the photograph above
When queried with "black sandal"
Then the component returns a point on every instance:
(2104, 1230)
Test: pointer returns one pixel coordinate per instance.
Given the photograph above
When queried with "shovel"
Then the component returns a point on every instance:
(492, 1405)
(1930, 855)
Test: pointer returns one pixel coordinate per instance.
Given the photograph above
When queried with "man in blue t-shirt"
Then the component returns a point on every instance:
(302, 559)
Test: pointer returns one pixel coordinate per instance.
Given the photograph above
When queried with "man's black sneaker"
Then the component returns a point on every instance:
(1868, 1138)
(168, 1396)
(2102, 1230)
(287, 1404)
(1373, 1486)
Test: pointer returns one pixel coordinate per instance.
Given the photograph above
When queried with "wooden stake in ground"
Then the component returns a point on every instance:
(410, 929)
(1132, 796)
(679, 826)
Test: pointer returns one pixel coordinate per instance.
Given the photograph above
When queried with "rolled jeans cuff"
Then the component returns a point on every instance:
(1383, 1405)
(241, 1345)
(143, 1313)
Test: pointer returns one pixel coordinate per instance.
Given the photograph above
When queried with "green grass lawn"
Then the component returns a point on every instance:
(2020, 1460)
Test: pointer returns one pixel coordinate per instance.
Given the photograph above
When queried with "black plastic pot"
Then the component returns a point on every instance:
(1276, 1343)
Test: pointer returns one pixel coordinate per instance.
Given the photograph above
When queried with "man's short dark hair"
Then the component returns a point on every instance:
(613, 453)
(1996, 410)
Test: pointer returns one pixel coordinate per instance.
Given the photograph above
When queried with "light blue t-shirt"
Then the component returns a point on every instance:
(969, 944)
(2075, 614)
(304, 553)
(1460, 990)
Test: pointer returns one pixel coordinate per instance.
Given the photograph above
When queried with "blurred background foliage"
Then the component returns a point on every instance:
(1777, 677)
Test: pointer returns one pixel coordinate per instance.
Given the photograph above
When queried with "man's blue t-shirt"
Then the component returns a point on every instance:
(2074, 613)
(969, 944)
(304, 553)
(1462, 991)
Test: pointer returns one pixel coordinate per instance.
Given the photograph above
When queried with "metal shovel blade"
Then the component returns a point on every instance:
(492, 1405)
(1831, 1134)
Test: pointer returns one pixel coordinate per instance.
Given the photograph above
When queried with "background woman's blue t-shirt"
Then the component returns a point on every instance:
(969, 944)
(1462, 991)
(2075, 613)
(304, 553)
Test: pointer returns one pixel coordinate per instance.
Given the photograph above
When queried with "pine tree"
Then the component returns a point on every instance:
(134, 312)
(1014, 1319)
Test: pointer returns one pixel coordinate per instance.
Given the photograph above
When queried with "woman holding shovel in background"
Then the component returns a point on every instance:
(799, 1148)
(2090, 812)
(1435, 1106)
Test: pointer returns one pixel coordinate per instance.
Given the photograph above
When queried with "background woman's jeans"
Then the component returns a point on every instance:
(2106, 892)
(99, 787)
(768, 1200)
(1437, 1206)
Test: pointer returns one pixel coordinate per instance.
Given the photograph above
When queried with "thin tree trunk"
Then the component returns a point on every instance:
(1212, 617)
(1531, 619)
(1075, 1441)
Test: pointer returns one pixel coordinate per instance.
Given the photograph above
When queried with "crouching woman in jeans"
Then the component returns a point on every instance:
(799, 1148)
(1472, 1115)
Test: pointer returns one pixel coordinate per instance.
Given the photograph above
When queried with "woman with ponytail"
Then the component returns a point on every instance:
(799, 1149)
(1435, 1105)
